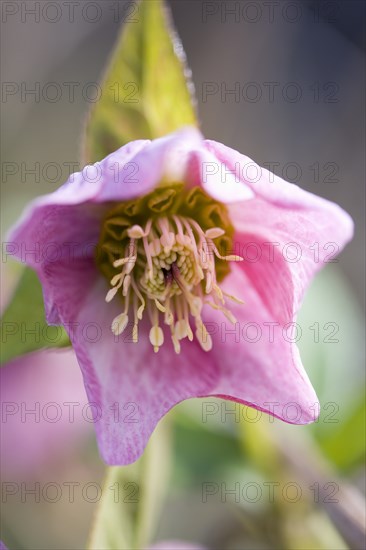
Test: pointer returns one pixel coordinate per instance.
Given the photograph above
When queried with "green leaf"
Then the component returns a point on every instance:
(23, 324)
(346, 446)
(147, 92)
(333, 328)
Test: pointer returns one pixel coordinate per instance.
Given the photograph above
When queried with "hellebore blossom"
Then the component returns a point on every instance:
(184, 247)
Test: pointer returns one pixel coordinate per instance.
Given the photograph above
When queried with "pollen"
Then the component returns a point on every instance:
(167, 269)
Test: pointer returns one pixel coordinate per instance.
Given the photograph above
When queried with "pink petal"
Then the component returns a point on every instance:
(64, 222)
(304, 239)
(131, 386)
(65, 226)
(264, 370)
(67, 215)
(36, 422)
(215, 178)
(183, 157)
(264, 183)
(267, 272)
(306, 230)
(67, 222)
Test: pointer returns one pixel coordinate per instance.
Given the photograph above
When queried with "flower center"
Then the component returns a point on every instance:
(166, 267)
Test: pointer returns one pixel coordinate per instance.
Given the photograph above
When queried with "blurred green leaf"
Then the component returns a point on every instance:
(331, 347)
(23, 325)
(201, 453)
(345, 447)
(147, 91)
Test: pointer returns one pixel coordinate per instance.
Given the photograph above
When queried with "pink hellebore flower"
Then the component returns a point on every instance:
(176, 222)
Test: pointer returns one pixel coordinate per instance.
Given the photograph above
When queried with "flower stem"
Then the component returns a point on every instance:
(153, 477)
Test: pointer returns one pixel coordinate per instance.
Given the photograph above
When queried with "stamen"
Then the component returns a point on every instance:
(126, 285)
(169, 317)
(136, 232)
(135, 330)
(156, 337)
(230, 258)
(111, 294)
(186, 319)
(115, 279)
(203, 336)
(119, 323)
(120, 262)
(140, 297)
(233, 298)
(214, 232)
(159, 306)
(156, 333)
(168, 270)
(224, 310)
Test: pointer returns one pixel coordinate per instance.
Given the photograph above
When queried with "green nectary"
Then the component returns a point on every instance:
(165, 201)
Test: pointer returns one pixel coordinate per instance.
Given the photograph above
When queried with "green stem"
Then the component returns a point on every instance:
(154, 477)
(127, 520)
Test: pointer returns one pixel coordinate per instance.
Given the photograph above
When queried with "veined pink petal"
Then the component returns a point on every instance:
(66, 216)
(264, 183)
(267, 272)
(265, 369)
(304, 239)
(306, 230)
(66, 286)
(167, 159)
(131, 387)
(183, 157)
(216, 178)
(68, 220)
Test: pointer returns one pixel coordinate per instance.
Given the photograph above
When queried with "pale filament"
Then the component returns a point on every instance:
(169, 269)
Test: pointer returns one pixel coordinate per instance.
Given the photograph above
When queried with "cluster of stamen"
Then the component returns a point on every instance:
(169, 270)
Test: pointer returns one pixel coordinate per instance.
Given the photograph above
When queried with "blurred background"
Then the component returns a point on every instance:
(284, 83)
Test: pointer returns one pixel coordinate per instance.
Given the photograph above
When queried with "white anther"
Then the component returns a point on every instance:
(214, 232)
(116, 279)
(203, 336)
(136, 232)
(156, 337)
(119, 323)
(180, 329)
(111, 294)
(120, 262)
